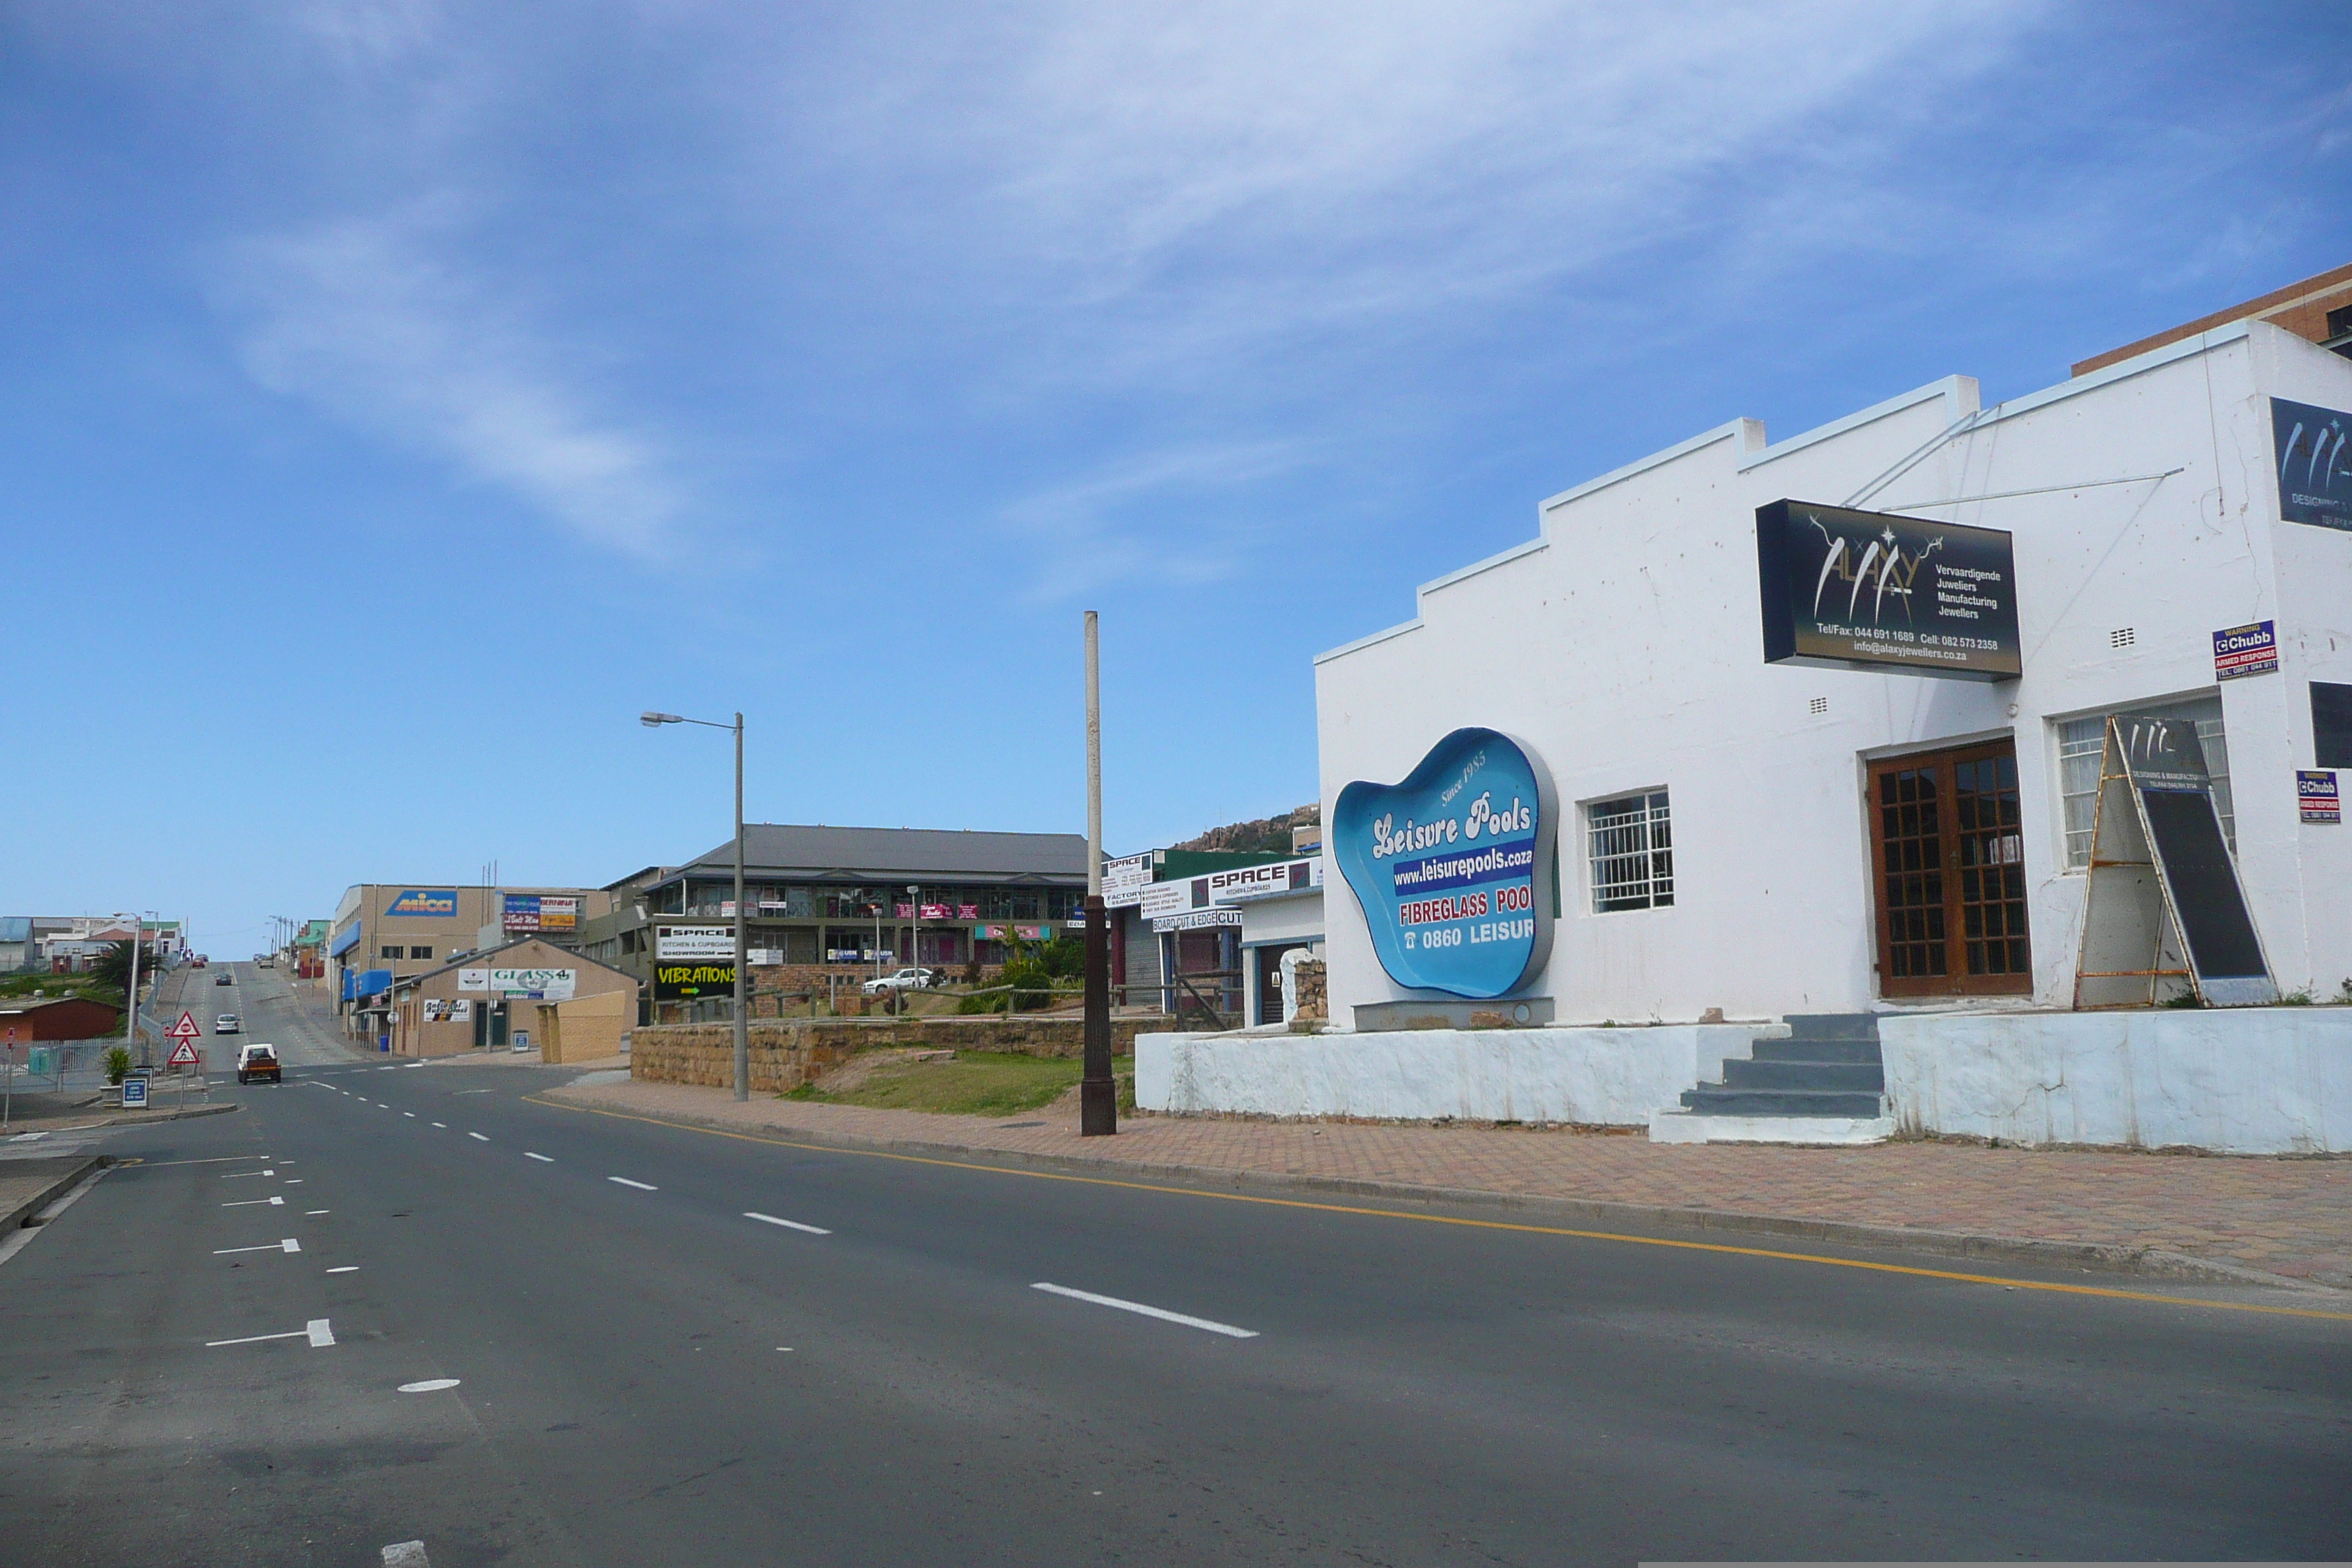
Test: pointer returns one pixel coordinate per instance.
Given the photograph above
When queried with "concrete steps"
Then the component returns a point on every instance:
(1824, 1083)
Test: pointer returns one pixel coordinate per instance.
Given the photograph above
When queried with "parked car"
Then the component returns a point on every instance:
(257, 1062)
(223, 978)
(228, 1024)
(904, 980)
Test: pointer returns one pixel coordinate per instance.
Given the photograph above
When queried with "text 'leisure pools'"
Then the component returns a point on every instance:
(1451, 866)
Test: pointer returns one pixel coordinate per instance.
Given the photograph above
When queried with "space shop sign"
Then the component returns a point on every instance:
(1445, 865)
(695, 941)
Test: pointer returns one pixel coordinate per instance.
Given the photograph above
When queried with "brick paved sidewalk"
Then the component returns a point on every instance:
(2291, 1217)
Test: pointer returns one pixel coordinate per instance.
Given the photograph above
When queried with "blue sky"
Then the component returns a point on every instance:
(396, 398)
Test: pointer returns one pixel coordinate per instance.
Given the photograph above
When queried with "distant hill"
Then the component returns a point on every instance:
(1268, 833)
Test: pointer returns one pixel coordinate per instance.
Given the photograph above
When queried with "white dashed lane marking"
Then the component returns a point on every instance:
(787, 1224)
(249, 1202)
(1162, 1313)
(316, 1331)
(641, 1186)
(477, 1135)
(289, 1245)
(542, 1159)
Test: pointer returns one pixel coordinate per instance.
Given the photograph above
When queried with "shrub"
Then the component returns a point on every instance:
(118, 1065)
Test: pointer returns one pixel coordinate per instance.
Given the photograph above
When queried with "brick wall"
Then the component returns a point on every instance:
(787, 1053)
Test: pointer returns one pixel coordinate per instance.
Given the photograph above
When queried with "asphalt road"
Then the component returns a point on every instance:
(645, 1374)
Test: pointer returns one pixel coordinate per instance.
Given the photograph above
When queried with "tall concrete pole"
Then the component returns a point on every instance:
(1098, 1090)
(743, 965)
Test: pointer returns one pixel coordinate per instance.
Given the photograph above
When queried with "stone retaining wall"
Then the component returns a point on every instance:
(787, 1053)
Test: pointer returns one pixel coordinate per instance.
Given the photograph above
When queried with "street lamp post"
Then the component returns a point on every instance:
(131, 1030)
(742, 971)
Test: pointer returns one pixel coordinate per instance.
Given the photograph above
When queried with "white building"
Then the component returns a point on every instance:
(1717, 847)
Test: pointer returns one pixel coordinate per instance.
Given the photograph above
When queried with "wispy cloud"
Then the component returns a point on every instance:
(369, 320)
(1189, 189)
(1165, 515)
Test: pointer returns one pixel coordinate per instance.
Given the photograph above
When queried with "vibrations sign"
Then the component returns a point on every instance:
(1451, 866)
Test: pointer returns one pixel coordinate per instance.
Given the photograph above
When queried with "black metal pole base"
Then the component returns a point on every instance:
(1098, 1108)
(1098, 1090)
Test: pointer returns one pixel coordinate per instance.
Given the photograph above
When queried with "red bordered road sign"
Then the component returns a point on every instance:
(185, 1054)
(186, 1029)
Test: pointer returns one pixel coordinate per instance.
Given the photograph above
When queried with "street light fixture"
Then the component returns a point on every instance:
(742, 974)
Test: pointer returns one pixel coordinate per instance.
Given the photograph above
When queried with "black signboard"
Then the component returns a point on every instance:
(2315, 463)
(2331, 724)
(1867, 590)
(684, 982)
(2165, 761)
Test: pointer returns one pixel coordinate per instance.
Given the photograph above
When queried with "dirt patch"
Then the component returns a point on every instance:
(861, 1069)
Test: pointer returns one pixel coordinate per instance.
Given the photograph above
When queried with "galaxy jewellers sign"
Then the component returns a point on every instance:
(1451, 866)
(1868, 590)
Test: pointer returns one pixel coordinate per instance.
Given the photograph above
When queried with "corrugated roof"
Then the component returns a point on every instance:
(773, 848)
(16, 927)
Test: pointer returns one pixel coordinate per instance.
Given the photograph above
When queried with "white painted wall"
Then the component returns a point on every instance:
(1589, 1076)
(1622, 645)
(2246, 1080)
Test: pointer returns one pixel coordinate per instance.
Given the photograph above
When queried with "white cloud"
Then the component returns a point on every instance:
(1087, 536)
(1222, 180)
(364, 318)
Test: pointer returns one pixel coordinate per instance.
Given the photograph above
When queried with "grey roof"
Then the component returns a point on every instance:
(772, 849)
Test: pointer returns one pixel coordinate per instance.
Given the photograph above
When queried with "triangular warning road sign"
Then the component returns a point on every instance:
(185, 1054)
(186, 1029)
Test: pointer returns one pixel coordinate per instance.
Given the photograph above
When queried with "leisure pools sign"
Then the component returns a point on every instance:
(1447, 864)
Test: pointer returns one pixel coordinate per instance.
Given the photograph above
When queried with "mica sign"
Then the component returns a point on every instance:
(1450, 866)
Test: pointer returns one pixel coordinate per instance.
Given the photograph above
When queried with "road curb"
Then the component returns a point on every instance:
(2104, 1257)
(178, 1114)
(81, 1165)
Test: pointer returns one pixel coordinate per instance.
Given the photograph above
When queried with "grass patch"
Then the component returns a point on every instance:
(976, 1083)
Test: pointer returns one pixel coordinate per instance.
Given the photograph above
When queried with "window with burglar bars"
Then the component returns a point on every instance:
(1633, 850)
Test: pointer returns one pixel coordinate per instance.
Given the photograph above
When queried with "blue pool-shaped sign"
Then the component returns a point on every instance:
(1451, 866)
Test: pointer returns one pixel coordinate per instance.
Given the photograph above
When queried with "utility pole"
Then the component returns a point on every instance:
(742, 969)
(131, 1014)
(1097, 1092)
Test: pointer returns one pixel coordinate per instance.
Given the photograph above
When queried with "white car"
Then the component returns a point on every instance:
(228, 1024)
(904, 980)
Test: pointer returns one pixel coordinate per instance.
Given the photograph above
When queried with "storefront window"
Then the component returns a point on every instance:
(2081, 742)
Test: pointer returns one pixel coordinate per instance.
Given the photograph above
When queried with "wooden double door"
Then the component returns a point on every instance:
(1948, 848)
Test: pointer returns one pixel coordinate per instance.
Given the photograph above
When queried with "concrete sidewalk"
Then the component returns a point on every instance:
(2288, 1220)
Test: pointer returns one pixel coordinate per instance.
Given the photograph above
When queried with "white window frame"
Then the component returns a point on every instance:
(2077, 742)
(1624, 837)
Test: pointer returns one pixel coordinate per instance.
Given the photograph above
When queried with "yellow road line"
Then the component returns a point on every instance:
(1474, 1224)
